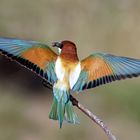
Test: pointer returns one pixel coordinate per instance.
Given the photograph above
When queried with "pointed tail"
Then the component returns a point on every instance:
(62, 109)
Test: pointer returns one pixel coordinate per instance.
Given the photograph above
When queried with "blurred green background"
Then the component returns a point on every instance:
(111, 26)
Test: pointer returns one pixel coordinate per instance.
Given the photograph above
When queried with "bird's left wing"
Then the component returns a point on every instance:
(102, 68)
(35, 56)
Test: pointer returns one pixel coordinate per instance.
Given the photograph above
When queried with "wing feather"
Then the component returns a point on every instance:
(30, 54)
(102, 68)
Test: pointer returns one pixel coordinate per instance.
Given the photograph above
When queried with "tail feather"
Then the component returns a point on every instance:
(57, 111)
(61, 111)
(70, 115)
(62, 108)
(53, 113)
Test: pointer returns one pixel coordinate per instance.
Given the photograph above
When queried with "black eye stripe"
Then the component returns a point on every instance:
(61, 46)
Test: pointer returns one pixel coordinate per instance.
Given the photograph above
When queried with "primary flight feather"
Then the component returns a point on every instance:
(65, 72)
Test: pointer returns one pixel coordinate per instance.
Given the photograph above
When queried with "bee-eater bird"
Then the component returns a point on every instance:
(65, 72)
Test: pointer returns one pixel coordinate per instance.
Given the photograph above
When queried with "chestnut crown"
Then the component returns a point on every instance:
(62, 44)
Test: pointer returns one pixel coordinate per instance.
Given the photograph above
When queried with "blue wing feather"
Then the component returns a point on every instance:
(16, 46)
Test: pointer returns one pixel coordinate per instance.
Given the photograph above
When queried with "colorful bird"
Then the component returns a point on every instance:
(66, 73)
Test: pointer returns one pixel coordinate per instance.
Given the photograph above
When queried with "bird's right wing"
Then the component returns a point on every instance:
(102, 68)
(35, 56)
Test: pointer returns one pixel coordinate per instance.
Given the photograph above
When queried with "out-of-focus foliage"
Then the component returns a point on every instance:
(94, 25)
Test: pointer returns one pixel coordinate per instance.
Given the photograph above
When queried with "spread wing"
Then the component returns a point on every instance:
(35, 56)
(102, 68)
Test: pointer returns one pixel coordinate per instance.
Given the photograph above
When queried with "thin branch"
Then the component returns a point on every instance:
(93, 117)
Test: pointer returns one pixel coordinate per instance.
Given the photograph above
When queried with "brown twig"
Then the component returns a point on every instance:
(93, 117)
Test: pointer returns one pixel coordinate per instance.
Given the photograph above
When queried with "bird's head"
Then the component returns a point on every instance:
(65, 46)
(67, 50)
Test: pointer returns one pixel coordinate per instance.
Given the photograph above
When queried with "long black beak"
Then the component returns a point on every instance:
(57, 44)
